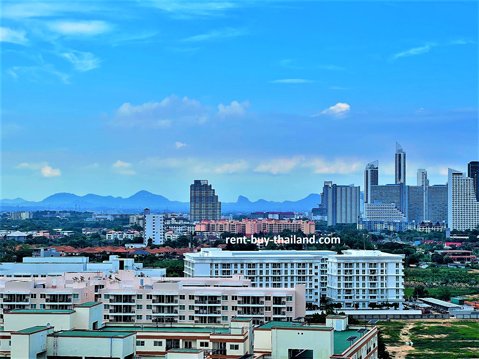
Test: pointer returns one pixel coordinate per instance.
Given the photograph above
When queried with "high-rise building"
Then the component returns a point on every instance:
(204, 203)
(463, 206)
(400, 165)
(422, 177)
(371, 178)
(342, 203)
(437, 203)
(473, 172)
(154, 229)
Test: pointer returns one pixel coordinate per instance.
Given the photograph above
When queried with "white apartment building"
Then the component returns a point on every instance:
(131, 299)
(462, 204)
(56, 266)
(357, 278)
(320, 272)
(265, 269)
(154, 228)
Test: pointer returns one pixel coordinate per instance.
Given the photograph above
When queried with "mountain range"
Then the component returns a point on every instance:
(145, 199)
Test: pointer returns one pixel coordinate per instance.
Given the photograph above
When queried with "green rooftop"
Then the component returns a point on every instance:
(87, 304)
(42, 311)
(241, 319)
(93, 334)
(278, 324)
(340, 340)
(32, 330)
(132, 328)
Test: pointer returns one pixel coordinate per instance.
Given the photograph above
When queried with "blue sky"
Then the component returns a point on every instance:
(266, 99)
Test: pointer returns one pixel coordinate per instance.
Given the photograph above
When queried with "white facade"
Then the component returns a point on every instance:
(154, 228)
(265, 269)
(357, 278)
(462, 205)
(380, 275)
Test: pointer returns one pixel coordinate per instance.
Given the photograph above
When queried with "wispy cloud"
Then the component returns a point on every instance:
(79, 28)
(82, 61)
(234, 109)
(414, 51)
(179, 145)
(219, 34)
(428, 47)
(338, 110)
(38, 73)
(187, 9)
(232, 167)
(123, 168)
(292, 81)
(336, 166)
(13, 36)
(279, 165)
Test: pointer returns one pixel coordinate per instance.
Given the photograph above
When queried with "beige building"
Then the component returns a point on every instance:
(132, 299)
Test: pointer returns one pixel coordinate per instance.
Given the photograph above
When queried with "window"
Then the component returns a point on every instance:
(182, 296)
(139, 296)
(149, 306)
(157, 343)
(75, 295)
(149, 296)
(203, 344)
(139, 317)
(234, 346)
(140, 343)
(139, 307)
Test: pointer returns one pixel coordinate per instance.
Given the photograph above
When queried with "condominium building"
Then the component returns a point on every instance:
(249, 227)
(357, 278)
(371, 178)
(265, 269)
(342, 203)
(317, 270)
(204, 203)
(154, 228)
(473, 172)
(131, 299)
(400, 165)
(463, 206)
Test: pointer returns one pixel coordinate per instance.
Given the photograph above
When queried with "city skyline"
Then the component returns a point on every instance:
(153, 96)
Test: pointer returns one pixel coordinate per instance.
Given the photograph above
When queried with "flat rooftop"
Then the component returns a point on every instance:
(439, 302)
(88, 304)
(261, 253)
(93, 334)
(341, 342)
(41, 311)
(31, 330)
(137, 328)
(299, 325)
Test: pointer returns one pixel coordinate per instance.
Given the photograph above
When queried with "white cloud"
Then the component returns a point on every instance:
(338, 166)
(48, 171)
(79, 28)
(185, 8)
(279, 165)
(43, 168)
(82, 61)
(216, 35)
(13, 36)
(414, 51)
(338, 110)
(38, 73)
(161, 114)
(292, 81)
(179, 145)
(123, 168)
(232, 167)
(235, 108)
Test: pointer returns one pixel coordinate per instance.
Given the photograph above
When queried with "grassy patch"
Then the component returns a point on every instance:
(390, 331)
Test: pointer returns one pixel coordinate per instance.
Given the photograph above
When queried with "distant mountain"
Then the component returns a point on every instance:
(145, 199)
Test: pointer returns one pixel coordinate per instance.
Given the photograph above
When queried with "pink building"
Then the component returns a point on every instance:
(249, 227)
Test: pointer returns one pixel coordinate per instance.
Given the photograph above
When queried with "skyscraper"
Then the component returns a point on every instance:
(400, 165)
(342, 203)
(204, 203)
(473, 172)
(154, 228)
(463, 206)
(422, 177)
(371, 178)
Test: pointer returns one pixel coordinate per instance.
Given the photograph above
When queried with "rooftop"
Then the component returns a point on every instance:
(32, 330)
(93, 333)
(88, 304)
(277, 324)
(212, 330)
(340, 340)
(41, 311)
